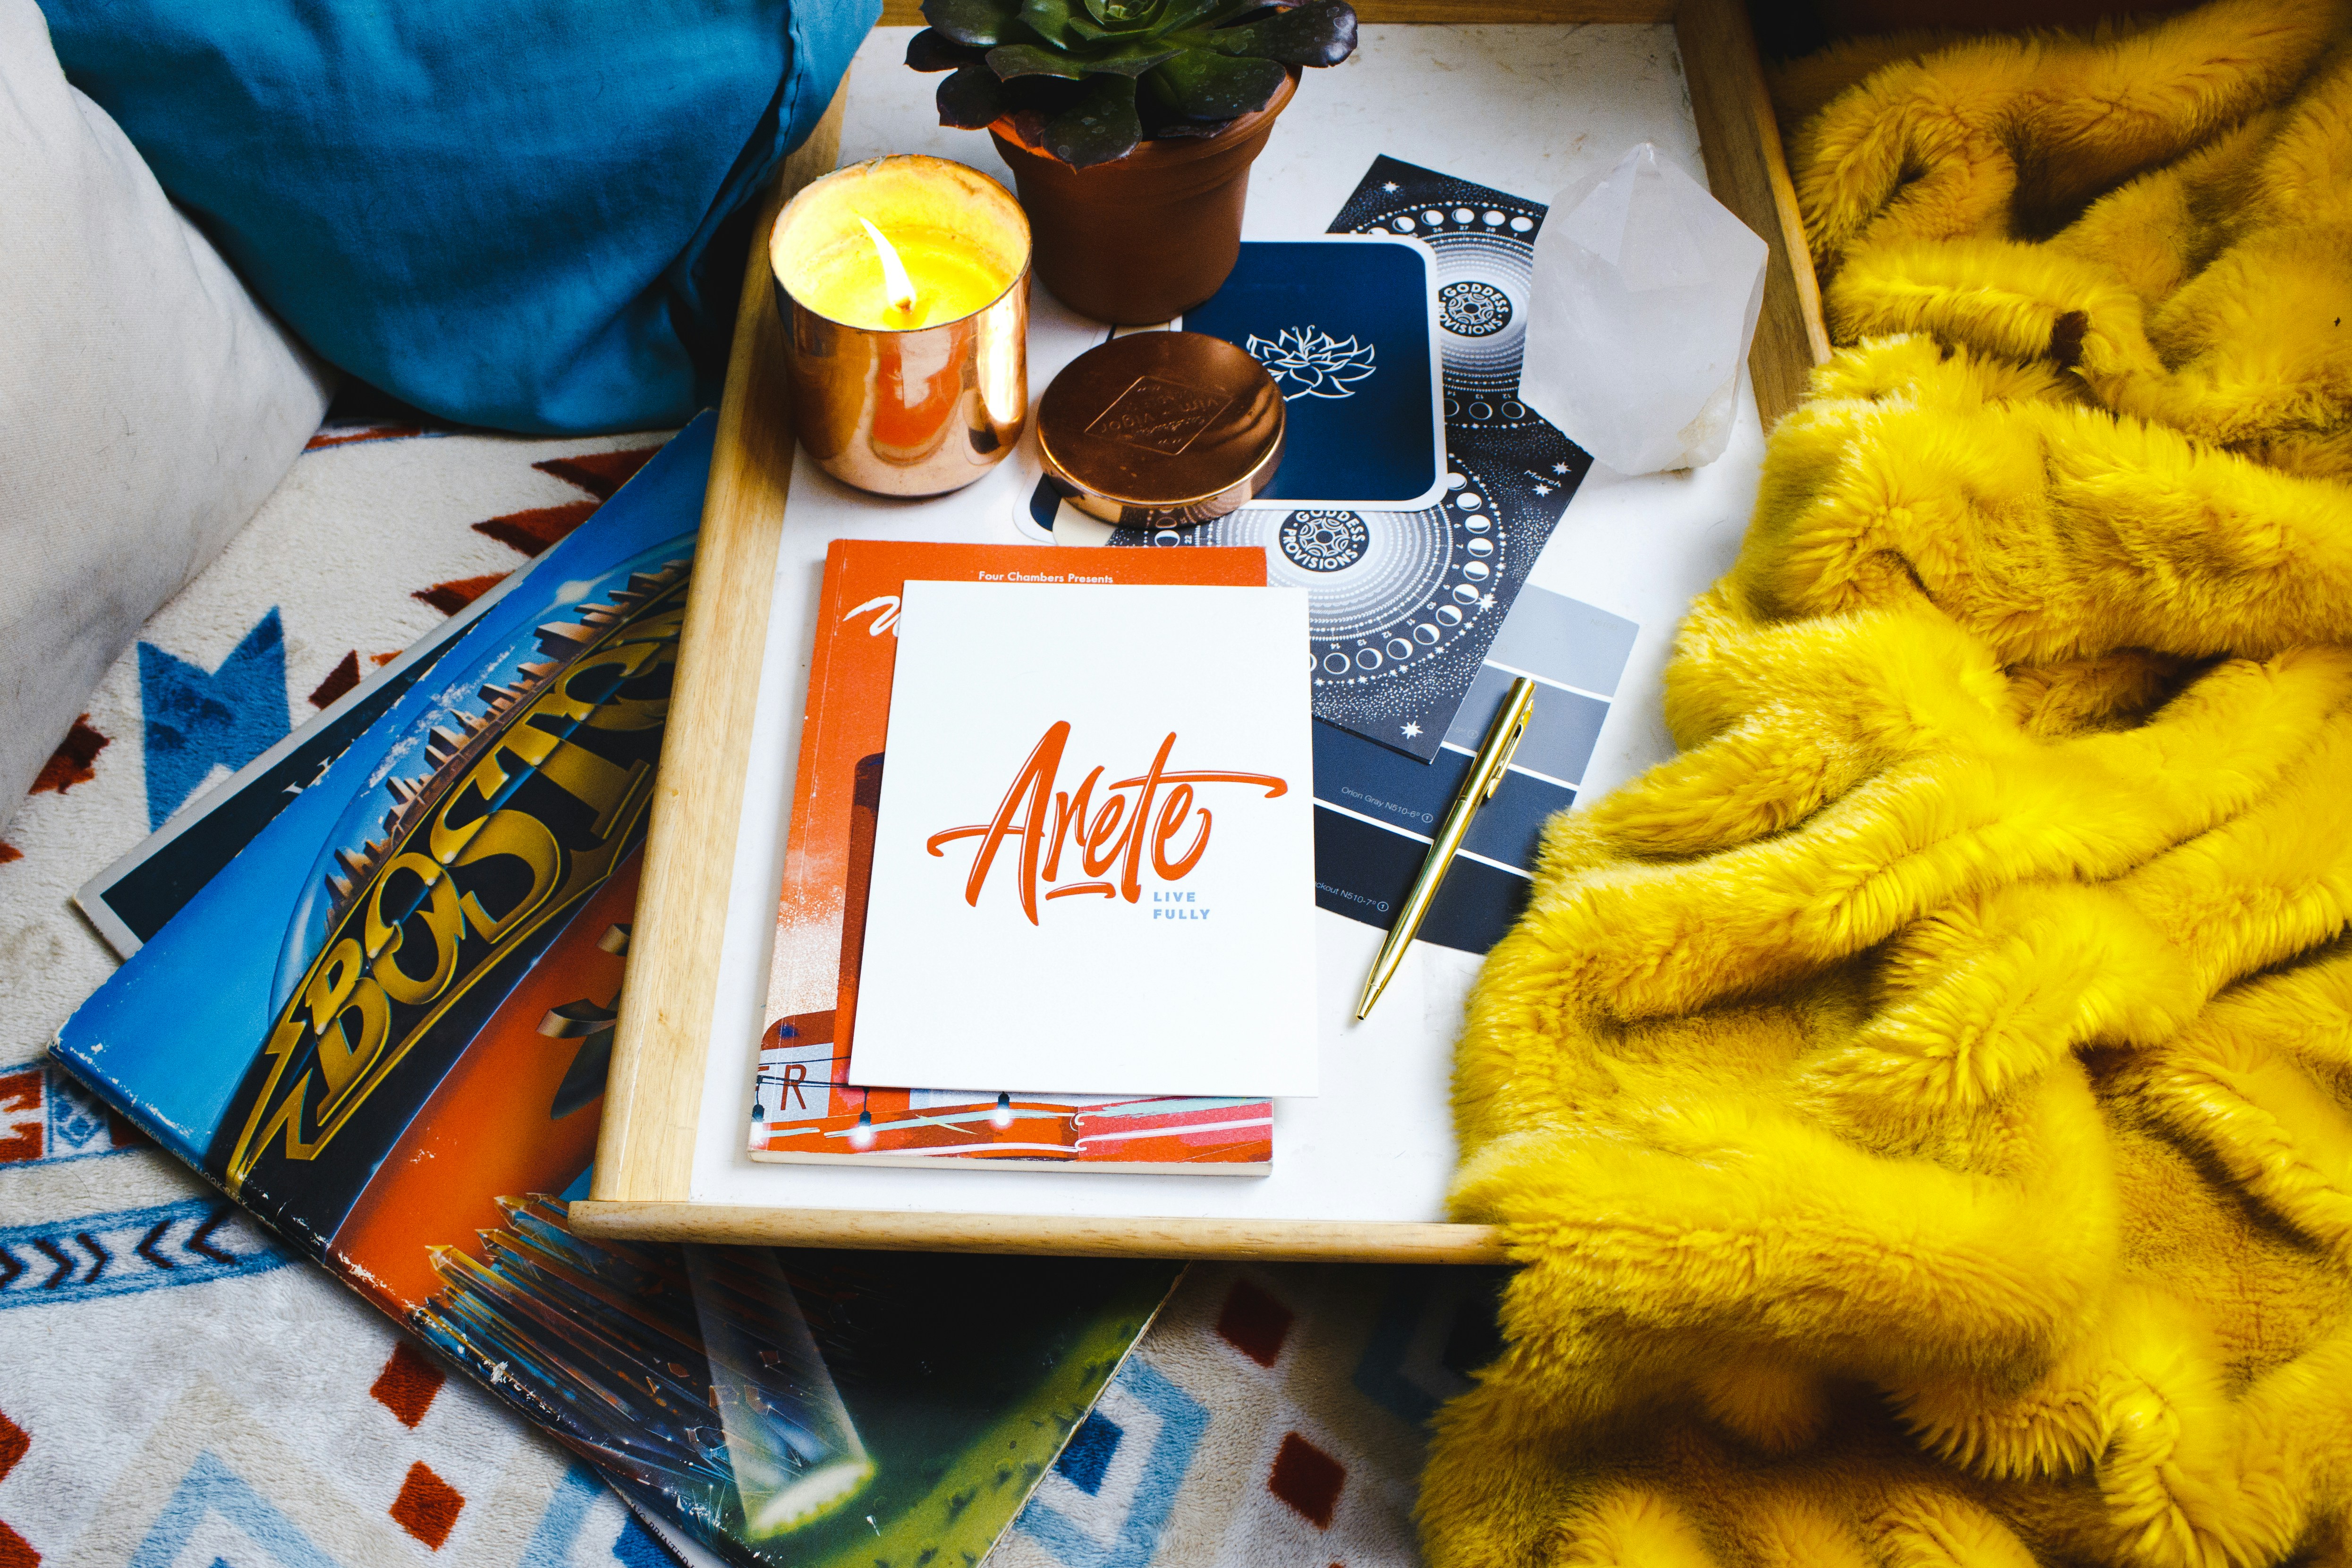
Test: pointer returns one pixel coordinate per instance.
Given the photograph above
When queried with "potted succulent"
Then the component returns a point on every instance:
(1129, 126)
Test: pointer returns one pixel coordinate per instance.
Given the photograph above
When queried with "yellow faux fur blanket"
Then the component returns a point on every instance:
(1922, 1108)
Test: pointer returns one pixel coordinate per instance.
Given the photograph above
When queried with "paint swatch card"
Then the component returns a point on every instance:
(1094, 858)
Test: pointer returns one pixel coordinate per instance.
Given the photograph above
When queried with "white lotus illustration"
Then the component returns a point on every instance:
(1308, 362)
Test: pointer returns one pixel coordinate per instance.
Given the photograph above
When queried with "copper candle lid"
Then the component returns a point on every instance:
(1160, 428)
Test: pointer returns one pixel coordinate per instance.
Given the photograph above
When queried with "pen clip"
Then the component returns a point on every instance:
(1510, 749)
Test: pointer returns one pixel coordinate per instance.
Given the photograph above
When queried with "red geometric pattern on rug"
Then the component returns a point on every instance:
(427, 1506)
(458, 592)
(599, 472)
(14, 1441)
(533, 530)
(341, 679)
(16, 1551)
(69, 764)
(1254, 1322)
(1307, 1479)
(9, 852)
(344, 435)
(23, 1131)
(407, 1384)
(121, 1133)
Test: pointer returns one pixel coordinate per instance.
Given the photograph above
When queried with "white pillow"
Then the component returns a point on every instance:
(147, 403)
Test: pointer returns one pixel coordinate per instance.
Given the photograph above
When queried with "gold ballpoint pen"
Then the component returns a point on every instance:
(1486, 773)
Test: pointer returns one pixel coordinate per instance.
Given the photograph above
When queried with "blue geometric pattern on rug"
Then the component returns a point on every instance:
(1385, 1375)
(1128, 1540)
(76, 1121)
(1088, 1454)
(211, 1487)
(634, 1547)
(1436, 1327)
(70, 1123)
(196, 717)
(550, 1544)
(121, 1254)
(558, 1528)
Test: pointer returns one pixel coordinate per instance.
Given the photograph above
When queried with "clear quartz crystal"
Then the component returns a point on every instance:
(1646, 296)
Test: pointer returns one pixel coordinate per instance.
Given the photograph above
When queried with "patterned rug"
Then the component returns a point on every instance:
(175, 1389)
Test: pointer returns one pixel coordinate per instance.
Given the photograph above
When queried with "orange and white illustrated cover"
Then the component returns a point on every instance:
(806, 1107)
(1094, 862)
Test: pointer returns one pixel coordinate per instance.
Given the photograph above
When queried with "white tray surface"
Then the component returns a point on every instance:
(1528, 110)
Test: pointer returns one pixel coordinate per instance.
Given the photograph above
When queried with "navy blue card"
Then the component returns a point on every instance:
(1345, 324)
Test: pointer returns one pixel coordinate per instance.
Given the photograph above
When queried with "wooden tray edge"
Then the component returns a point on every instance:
(1288, 1240)
(653, 1097)
(1747, 171)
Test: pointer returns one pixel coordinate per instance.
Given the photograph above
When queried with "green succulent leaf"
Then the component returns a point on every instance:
(1203, 86)
(1320, 33)
(1127, 16)
(1052, 20)
(932, 50)
(978, 22)
(1183, 13)
(1010, 61)
(1101, 127)
(1130, 59)
(971, 100)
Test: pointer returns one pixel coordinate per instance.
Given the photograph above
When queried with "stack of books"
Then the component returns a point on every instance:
(1088, 866)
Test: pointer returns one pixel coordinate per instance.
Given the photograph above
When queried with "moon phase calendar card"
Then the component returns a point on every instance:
(1405, 601)
(807, 1108)
(384, 1027)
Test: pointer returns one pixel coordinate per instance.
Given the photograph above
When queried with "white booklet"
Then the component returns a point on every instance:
(1093, 866)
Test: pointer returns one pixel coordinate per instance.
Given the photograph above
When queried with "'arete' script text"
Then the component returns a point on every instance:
(1106, 825)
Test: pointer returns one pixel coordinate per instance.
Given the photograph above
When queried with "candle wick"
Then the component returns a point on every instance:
(898, 289)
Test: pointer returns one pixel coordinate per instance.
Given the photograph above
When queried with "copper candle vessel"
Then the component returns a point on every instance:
(897, 399)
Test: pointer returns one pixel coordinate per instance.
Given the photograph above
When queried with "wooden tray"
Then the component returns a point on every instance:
(645, 1171)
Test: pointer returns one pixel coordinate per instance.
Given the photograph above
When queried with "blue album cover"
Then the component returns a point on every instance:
(1345, 324)
(251, 932)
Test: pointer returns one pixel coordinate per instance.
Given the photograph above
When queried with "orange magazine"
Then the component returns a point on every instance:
(805, 1108)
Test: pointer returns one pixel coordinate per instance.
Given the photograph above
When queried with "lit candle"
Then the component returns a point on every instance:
(898, 289)
(920, 277)
(905, 284)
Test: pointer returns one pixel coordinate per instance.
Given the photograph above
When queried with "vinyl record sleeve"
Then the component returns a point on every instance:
(384, 1027)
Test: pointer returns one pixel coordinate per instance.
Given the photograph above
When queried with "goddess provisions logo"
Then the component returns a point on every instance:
(1113, 837)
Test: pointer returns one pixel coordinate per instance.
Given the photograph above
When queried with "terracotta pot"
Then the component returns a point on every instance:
(1145, 236)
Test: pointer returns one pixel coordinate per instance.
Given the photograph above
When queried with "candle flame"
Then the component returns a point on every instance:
(895, 283)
